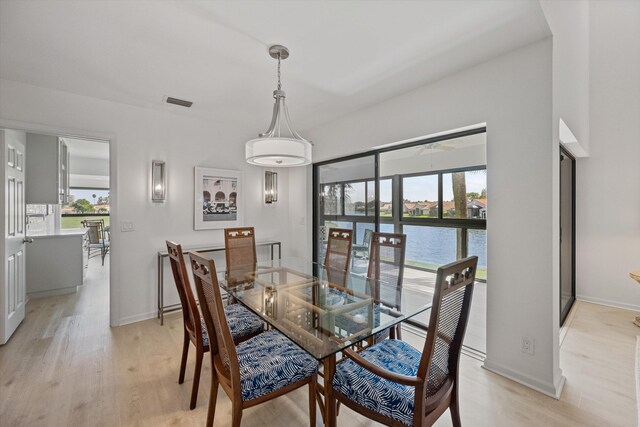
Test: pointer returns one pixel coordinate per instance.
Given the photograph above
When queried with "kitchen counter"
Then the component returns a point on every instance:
(55, 263)
(58, 233)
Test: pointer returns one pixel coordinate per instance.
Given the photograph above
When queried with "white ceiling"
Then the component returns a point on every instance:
(345, 55)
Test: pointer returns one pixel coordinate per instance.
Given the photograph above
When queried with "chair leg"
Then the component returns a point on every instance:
(454, 408)
(183, 362)
(236, 415)
(213, 397)
(196, 379)
(312, 400)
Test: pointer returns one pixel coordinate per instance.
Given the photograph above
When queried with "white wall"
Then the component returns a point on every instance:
(512, 94)
(569, 23)
(608, 181)
(140, 135)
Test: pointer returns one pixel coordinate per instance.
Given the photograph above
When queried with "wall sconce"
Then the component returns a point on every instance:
(270, 187)
(158, 181)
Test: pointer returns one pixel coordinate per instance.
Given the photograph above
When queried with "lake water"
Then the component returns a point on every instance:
(435, 245)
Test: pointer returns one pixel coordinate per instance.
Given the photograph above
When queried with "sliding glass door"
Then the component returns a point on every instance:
(433, 191)
(567, 234)
(345, 195)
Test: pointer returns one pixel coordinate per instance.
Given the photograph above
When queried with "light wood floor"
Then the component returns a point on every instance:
(66, 367)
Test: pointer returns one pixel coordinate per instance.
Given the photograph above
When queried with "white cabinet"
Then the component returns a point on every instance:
(47, 180)
(55, 264)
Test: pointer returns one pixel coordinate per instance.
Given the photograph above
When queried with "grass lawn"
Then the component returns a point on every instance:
(74, 221)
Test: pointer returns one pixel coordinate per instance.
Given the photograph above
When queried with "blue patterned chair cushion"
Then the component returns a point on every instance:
(241, 320)
(378, 394)
(271, 361)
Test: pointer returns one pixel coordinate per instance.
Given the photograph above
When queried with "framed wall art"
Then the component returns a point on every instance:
(218, 199)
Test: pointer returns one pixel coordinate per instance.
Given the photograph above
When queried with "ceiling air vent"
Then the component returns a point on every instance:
(180, 102)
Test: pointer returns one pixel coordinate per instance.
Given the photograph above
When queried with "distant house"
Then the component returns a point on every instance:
(420, 208)
(448, 209)
(429, 208)
(386, 208)
(477, 208)
(103, 208)
(411, 209)
(67, 210)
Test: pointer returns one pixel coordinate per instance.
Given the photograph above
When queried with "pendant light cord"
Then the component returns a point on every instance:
(279, 84)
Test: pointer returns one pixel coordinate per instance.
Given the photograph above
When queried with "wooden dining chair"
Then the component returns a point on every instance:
(240, 253)
(386, 265)
(338, 256)
(257, 370)
(393, 383)
(244, 324)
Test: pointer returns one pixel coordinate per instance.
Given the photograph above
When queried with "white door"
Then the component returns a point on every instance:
(13, 294)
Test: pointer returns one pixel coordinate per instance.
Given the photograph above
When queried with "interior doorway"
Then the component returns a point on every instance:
(67, 184)
(567, 233)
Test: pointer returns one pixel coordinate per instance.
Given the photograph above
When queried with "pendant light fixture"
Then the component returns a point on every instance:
(280, 145)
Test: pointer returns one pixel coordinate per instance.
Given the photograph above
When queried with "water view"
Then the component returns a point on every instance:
(430, 247)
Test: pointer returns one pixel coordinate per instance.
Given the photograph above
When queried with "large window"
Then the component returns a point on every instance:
(85, 203)
(433, 191)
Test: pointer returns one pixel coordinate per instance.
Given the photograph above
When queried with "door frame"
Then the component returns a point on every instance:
(111, 139)
(564, 311)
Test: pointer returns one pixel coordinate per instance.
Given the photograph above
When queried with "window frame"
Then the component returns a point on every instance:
(397, 218)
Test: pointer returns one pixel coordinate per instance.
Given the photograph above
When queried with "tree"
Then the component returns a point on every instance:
(473, 195)
(460, 202)
(82, 206)
(94, 198)
(483, 193)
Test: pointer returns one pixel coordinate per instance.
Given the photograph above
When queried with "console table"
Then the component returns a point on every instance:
(162, 309)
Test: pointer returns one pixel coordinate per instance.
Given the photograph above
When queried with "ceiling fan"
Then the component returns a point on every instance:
(437, 146)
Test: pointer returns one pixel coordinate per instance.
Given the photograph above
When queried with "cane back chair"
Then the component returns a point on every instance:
(257, 370)
(386, 264)
(240, 254)
(338, 255)
(393, 383)
(243, 323)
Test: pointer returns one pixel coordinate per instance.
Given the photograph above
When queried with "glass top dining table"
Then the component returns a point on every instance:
(322, 310)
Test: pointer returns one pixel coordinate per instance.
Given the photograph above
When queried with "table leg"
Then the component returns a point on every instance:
(161, 288)
(329, 401)
(158, 278)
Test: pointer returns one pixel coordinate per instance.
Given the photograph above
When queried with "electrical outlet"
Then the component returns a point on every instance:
(527, 345)
(126, 226)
